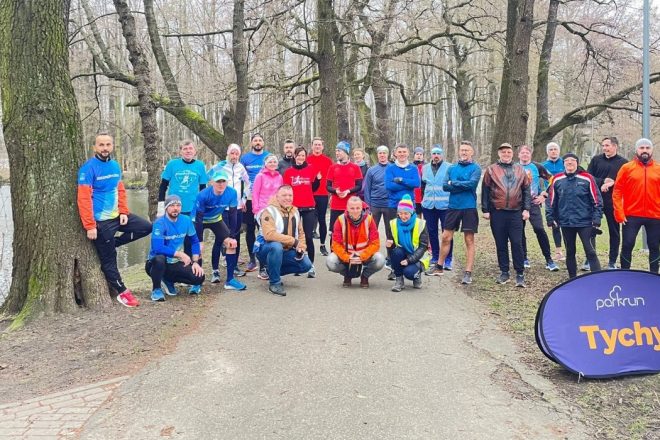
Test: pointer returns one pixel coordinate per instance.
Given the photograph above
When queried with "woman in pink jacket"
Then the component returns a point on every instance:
(266, 184)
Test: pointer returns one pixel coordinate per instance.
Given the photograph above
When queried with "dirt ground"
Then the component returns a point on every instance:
(73, 350)
(622, 408)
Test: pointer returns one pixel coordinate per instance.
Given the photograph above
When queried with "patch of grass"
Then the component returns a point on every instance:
(623, 408)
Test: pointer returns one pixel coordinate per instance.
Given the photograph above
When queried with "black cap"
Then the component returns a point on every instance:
(570, 155)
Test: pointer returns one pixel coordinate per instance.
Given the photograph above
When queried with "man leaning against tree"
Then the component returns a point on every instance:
(104, 211)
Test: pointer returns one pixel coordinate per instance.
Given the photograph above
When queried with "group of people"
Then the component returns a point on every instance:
(281, 202)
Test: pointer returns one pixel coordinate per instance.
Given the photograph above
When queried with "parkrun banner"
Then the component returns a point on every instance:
(603, 324)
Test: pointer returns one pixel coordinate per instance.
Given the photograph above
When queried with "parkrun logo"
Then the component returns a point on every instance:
(615, 300)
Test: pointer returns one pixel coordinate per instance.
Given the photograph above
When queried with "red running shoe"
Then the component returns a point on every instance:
(127, 299)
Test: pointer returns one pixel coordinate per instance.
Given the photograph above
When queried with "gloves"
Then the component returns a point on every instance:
(398, 179)
(160, 211)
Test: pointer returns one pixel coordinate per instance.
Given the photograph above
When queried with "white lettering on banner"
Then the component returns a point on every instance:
(615, 300)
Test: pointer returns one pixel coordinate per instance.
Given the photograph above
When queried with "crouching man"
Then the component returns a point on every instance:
(355, 244)
(280, 246)
(168, 263)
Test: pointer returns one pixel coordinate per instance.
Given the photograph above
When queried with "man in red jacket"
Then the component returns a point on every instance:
(636, 200)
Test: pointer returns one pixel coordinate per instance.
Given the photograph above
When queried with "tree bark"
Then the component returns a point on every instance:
(55, 267)
(147, 107)
(542, 116)
(512, 113)
(327, 72)
(234, 124)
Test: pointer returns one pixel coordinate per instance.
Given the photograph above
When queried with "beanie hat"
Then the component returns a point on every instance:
(344, 146)
(406, 204)
(418, 150)
(233, 147)
(643, 141)
(382, 149)
(172, 200)
(437, 149)
(570, 155)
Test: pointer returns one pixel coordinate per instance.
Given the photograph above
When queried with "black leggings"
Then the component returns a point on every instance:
(321, 211)
(308, 218)
(220, 232)
(159, 269)
(334, 215)
(570, 238)
(630, 231)
(536, 219)
(614, 230)
(250, 230)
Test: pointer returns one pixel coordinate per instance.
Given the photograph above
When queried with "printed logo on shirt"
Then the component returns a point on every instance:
(300, 181)
(108, 176)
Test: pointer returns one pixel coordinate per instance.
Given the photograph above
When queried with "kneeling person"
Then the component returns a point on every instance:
(212, 203)
(168, 263)
(281, 244)
(355, 244)
(410, 239)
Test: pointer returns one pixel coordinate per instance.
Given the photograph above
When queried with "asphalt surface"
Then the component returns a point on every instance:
(327, 362)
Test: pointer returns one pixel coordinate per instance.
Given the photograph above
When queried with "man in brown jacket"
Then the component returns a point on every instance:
(281, 246)
(506, 201)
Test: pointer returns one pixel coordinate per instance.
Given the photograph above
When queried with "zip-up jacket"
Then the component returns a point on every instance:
(284, 164)
(101, 193)
(432, 177)
(265, 185)
(506, 187)
(400, 181)
(461, 183)
(554, 167)
(238, 178)
(637, 190)
(282, 225)
(373, 188)
(602, 167)
(574, 201)
(349, 239)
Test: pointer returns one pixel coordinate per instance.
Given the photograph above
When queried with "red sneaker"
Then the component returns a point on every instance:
(126, 298)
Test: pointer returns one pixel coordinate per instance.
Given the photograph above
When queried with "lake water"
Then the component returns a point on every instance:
(133, 253)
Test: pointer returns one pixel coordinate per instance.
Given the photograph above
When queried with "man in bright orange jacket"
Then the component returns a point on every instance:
(355, 245)
(636, 200)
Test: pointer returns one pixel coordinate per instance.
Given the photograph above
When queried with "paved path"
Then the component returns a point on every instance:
(332, 363)
(58, 415)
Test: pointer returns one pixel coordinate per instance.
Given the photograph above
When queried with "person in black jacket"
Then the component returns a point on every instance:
(576, 206)
(604, 168)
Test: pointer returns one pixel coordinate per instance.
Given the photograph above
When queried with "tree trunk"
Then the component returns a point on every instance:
(55, 267)
(234, 130)
(542, 117)
(327, 73)
(512, 113)
(147, 107)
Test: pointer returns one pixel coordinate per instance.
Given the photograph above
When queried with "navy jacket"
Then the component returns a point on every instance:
(574, 201)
